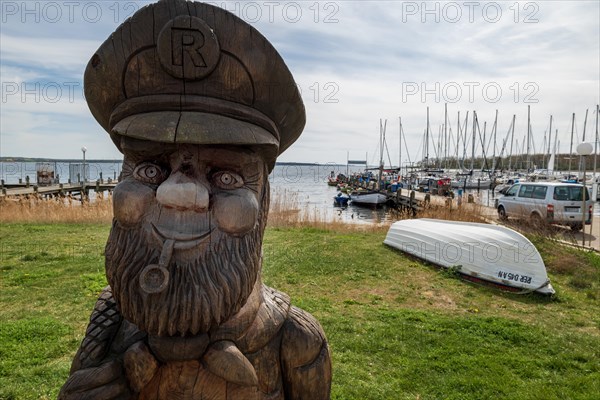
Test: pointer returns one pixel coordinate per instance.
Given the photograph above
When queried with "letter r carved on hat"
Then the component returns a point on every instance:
(187, 42)
(188, 48)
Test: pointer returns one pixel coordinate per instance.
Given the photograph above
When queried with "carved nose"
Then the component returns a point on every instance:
(183, 194)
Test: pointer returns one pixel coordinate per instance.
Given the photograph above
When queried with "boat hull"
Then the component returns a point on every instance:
(368, 198)
(488, 252)
(473, 184)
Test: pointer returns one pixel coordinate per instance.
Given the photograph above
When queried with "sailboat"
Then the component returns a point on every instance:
(373, 197)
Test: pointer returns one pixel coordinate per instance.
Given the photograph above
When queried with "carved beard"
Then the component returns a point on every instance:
(200, 295)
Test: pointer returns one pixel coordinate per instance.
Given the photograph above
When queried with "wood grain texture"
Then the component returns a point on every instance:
(305, 358)
(224, 359)
(289, 360)
(178, 348)
(140, 366)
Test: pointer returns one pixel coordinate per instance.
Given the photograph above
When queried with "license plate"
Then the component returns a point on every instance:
(571, 209)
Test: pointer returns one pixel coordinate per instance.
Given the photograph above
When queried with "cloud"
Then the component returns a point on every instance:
(356, 63)
(60, 56)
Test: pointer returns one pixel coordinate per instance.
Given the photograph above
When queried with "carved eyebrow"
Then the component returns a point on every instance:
(145, 149)
(244, 168)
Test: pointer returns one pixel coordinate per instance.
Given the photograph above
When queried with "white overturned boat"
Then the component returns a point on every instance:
(479, 251)
(370, 198)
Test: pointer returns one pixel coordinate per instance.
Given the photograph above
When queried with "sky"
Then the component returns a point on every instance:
(359, 65)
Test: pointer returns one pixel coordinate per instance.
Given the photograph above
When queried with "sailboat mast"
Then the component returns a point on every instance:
(465, 139)
(494, 144)
(483, 163)
(512, 137)
(585, 124)
(571, 148)
(457, 139)
(445, 135)
(380, 154)
(382, 142)
(439, 148)
(424, 150)
(427, 141)
(596, 140)
(400, 146)
(553, 155)
(528, 137)
(473, 144)
(550, 136)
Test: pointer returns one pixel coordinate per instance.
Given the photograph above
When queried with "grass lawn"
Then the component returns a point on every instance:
(398, 329)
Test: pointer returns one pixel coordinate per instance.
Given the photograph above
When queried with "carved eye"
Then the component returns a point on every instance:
(150, 173)
(227, 180)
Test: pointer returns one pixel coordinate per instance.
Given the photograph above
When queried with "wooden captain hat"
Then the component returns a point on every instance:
(189, 72)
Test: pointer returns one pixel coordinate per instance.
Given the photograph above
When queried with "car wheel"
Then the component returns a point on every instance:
(502, 213)
(536, 220)
(576, 227)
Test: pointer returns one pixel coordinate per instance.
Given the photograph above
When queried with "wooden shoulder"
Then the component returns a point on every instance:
(305, 357)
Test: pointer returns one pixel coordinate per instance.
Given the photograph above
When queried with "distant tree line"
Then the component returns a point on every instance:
(562, 162)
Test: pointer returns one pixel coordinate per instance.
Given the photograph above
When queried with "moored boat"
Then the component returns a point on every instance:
(332, 181)
(484, 252)
(472, 183)
(368, 198)
(340, 200)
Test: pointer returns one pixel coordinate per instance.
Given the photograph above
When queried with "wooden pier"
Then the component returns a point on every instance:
(81, 189)
(404, 198)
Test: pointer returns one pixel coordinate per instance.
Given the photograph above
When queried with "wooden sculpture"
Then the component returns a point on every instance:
(200, 104)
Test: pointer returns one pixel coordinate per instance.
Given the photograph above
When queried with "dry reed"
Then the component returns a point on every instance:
(469, 212)
(55, 210)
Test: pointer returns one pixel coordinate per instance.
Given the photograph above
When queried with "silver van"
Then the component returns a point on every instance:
(551, 202)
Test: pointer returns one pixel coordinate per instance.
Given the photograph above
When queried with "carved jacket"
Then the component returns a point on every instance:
(272, 351)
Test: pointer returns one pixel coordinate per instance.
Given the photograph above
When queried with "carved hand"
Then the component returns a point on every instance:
(106, 382)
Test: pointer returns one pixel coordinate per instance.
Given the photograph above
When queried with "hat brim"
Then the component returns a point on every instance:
(194, 128)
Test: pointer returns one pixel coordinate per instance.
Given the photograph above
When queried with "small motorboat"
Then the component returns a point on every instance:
(340, 200)
(485, 252)
(332, 181)
(373, 198)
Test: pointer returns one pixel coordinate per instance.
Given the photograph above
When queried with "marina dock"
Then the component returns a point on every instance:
(80, 189)
(405, 198)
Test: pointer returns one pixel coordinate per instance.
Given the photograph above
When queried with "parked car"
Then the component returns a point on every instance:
(551, 202)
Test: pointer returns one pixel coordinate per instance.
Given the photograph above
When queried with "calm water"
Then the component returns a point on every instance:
(306, 185)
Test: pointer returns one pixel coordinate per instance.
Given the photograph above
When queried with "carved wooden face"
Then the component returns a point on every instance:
(184, 192)
(184, 251)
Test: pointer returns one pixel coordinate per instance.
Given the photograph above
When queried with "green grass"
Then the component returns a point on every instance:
(398, 329)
